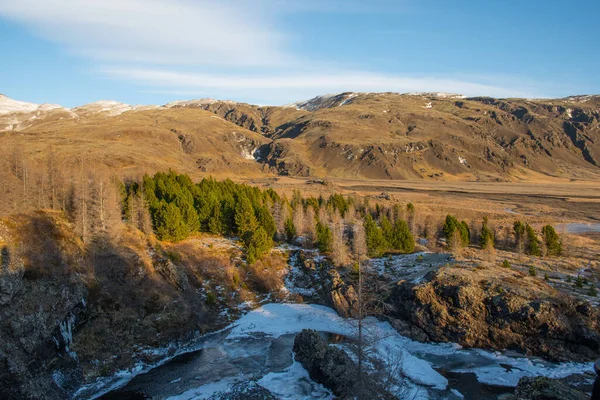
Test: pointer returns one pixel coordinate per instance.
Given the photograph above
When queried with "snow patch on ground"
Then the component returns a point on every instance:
(462, 160)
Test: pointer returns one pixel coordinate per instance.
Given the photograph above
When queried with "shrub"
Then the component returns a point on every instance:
(173, 256)
(266, 275)
(579, 282)
(506, 264)
(592, 291)
(532, 270)
(569, 279)
(546, 277)
(211, 299)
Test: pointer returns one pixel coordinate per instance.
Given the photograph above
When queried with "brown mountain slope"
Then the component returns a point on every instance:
(391, 136)
(349, 135)
(189, 140)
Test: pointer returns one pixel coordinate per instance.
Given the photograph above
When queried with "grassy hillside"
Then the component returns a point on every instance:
(349, 136)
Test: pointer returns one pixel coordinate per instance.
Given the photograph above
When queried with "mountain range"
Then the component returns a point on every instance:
(430, 136)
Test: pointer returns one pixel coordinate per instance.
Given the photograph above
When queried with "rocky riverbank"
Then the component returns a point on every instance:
(430, 297)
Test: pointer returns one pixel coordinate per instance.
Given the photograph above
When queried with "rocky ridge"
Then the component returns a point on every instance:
(433, 136)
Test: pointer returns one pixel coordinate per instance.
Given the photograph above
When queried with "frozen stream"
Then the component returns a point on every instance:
(579, 227)
(259, 347)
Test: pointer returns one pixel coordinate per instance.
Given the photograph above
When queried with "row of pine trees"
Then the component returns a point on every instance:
(178, 207)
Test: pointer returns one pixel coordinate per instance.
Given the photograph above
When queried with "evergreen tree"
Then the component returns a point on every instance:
(386, 229)
(245, 220)
(376, 243)
(266, 220)
(185, 204)
(290, 230)
(533, 243)
(169, 224)
(465, 233)
(402, 237)
(519, 230)
(552, 241)
(452, 225)
(324, 237)
(215, 220)
(486, 240)
(259, 243)
(338, 202)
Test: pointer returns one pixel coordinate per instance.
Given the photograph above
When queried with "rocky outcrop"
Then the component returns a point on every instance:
(499, 309)
(325, 364)
(542, 388)
(335, 370)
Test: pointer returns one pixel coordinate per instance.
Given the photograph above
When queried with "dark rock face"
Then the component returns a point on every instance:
(474, 311)
(541, 388)
(327, 365)
(67, 318)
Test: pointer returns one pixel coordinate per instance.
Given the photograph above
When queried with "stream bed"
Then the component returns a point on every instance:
(258, 349)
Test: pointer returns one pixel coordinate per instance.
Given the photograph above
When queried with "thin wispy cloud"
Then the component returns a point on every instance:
(304, 82)
(184, 46)
(155, 31)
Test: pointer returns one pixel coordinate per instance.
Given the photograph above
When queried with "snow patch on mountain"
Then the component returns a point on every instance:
(9, 106)
(197, 102)
(584, 98)
(441, 95)
(323, 101)
(109, 107)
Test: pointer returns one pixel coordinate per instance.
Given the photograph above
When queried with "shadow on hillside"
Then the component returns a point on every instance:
(4, 258)
(43, 249)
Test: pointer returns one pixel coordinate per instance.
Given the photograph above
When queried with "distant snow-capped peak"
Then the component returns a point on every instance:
(109, 107)
(8, 106)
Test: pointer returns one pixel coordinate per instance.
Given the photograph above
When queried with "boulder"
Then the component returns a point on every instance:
(325, 364)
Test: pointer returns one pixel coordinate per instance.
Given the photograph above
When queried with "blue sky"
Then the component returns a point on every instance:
(73, 52)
